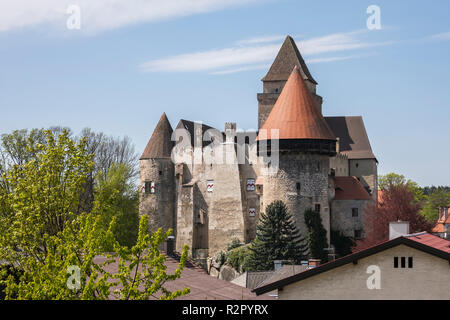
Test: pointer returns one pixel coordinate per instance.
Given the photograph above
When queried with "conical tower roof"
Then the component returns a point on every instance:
(288, 57)
(295, 114)
(160, 144)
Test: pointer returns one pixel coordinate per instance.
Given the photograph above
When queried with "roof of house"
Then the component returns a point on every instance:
(255, 278)
(353, 139)
(202, 285)
(425, 242)
(349, 188)
(288, 57)
(295, 114)
(160, 144)
(431, 240)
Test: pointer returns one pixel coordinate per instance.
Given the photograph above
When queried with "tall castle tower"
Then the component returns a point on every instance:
(287, 58)
(306, 144)
(157, 179)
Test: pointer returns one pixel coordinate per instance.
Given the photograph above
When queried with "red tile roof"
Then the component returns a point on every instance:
(295, 113)
(202, 285)
(431, 241)
(349, 188)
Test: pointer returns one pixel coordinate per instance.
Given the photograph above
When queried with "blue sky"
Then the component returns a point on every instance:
(203, 60)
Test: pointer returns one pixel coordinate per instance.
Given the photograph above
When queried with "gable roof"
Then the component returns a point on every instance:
(190, 126)
(288, 57)
(295, 113)
(425, 244)
(160, 144)
(353, 139)
(349, 188)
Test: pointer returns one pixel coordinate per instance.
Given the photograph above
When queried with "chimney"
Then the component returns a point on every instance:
(170, 245)
(312, 263)
(277, 264)
(398, 229)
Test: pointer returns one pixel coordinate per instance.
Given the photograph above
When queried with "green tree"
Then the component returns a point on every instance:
(277, 238)
(317, 235)
(437, 199)
(342, 244)
(44, 233)
(394, 179)
(116, 196)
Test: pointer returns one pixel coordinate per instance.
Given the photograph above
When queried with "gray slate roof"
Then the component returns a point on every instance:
(353, 139)
(160, 144)
(288, 57)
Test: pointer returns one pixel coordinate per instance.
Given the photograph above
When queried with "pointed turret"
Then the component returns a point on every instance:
(288, 57)
(301, 126)
(160, 144)
(295, 114)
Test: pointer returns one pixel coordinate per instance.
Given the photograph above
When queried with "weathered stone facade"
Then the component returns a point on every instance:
(209, 204)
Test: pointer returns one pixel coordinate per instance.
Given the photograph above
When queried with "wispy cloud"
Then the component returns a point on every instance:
(441, 36)
(100, 15)
(251, 53)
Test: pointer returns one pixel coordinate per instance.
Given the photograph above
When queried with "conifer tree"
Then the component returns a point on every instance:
(317, 235)
(277, 238)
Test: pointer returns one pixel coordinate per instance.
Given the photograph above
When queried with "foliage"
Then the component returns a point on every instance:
(239, 257)
(277, 238)
(7, 271)
(317, 235)
(342, 244)
(398, 203)
(44, 232)
(394, 179)
(116, 197)
(142, 270)
(235, 243)
(439, 198)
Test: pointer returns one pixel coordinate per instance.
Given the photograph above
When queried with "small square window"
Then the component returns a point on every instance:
(317, 207)
(358, 234)
(209, 185)
(250, 184)
(354, 212)
(160, 172)
(149, 187)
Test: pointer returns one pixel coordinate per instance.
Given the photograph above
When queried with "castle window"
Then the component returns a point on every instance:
(149, 187)
(354, 212)
(395, 262)
(297, 185)
(317, 207)
(209, 185)
(250, 184)
(403, 262)
(410, 262)
(357, 165)
(358, 234)
(160, 172)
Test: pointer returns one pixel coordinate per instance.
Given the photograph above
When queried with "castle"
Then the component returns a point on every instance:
(309, 161)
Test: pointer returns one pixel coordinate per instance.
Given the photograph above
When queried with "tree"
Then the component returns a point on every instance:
(317, 235)
(44, 233)
(398, 203)
(439, 198)
(277, 238)
(116, 196)
(342, 244)
(394, 179)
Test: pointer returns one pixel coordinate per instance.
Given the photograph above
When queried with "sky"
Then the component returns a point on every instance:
(202, 60)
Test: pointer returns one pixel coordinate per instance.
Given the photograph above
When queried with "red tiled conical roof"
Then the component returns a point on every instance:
(295, 114)
(160, 144)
